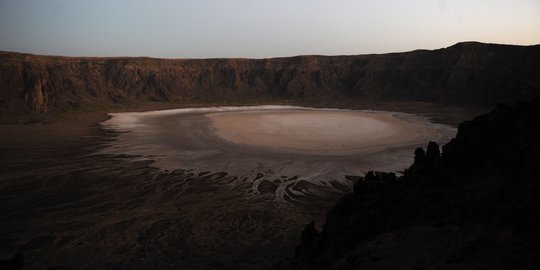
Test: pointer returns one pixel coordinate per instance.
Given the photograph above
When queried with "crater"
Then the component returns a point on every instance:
(259, 145)
(316, 132)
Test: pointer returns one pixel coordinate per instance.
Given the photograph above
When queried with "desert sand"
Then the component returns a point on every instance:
(290, 153)
(163, 190)
(315, 132)
(315, 143)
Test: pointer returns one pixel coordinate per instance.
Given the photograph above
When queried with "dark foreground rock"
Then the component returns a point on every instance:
(10, 258)
(476, 206)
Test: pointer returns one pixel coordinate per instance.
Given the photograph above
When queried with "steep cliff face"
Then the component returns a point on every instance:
(464, 74)
(476, 206)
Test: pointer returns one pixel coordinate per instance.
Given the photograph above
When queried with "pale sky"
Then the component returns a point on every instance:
(257, 28)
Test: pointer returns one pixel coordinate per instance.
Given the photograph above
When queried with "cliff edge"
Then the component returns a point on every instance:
(475, 206)
(468, 73)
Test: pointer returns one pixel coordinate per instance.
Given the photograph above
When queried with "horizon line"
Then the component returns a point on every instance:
(258, 58)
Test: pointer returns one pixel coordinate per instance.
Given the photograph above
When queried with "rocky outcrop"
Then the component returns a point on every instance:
(464, 74)
(10, 259)
(476, 206)
(36, 95)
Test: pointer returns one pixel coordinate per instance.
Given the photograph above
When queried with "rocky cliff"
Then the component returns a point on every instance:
(475, 206)
(464, 74)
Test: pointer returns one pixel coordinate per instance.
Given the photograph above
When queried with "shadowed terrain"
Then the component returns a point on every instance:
(67, 201)
(476, 206)
(61, 204)
(64, 202)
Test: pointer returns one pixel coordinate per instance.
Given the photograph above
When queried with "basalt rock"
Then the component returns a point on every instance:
(10, 259)
(468, 73)
(476, 206)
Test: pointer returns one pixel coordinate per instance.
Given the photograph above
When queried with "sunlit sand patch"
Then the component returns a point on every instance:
(289, 155)
(315, 132)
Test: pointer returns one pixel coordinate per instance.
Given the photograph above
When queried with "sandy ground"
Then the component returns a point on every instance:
(294, 156)
(64, 204)
(315, 132)
(288, 141)
(80, 195)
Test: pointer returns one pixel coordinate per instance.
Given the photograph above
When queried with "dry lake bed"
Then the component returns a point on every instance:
(206, 188)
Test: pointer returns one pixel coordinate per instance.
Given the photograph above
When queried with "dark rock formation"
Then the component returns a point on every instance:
(476, 206)
(464, 74)
(10, 259)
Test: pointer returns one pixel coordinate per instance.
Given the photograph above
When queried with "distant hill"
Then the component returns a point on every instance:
(468, 73)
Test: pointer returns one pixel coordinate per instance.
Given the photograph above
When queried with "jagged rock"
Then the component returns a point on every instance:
(309, 239)
(11, 259)
(374, 183)
(419, 156)
(433, 155)
(475, 206)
